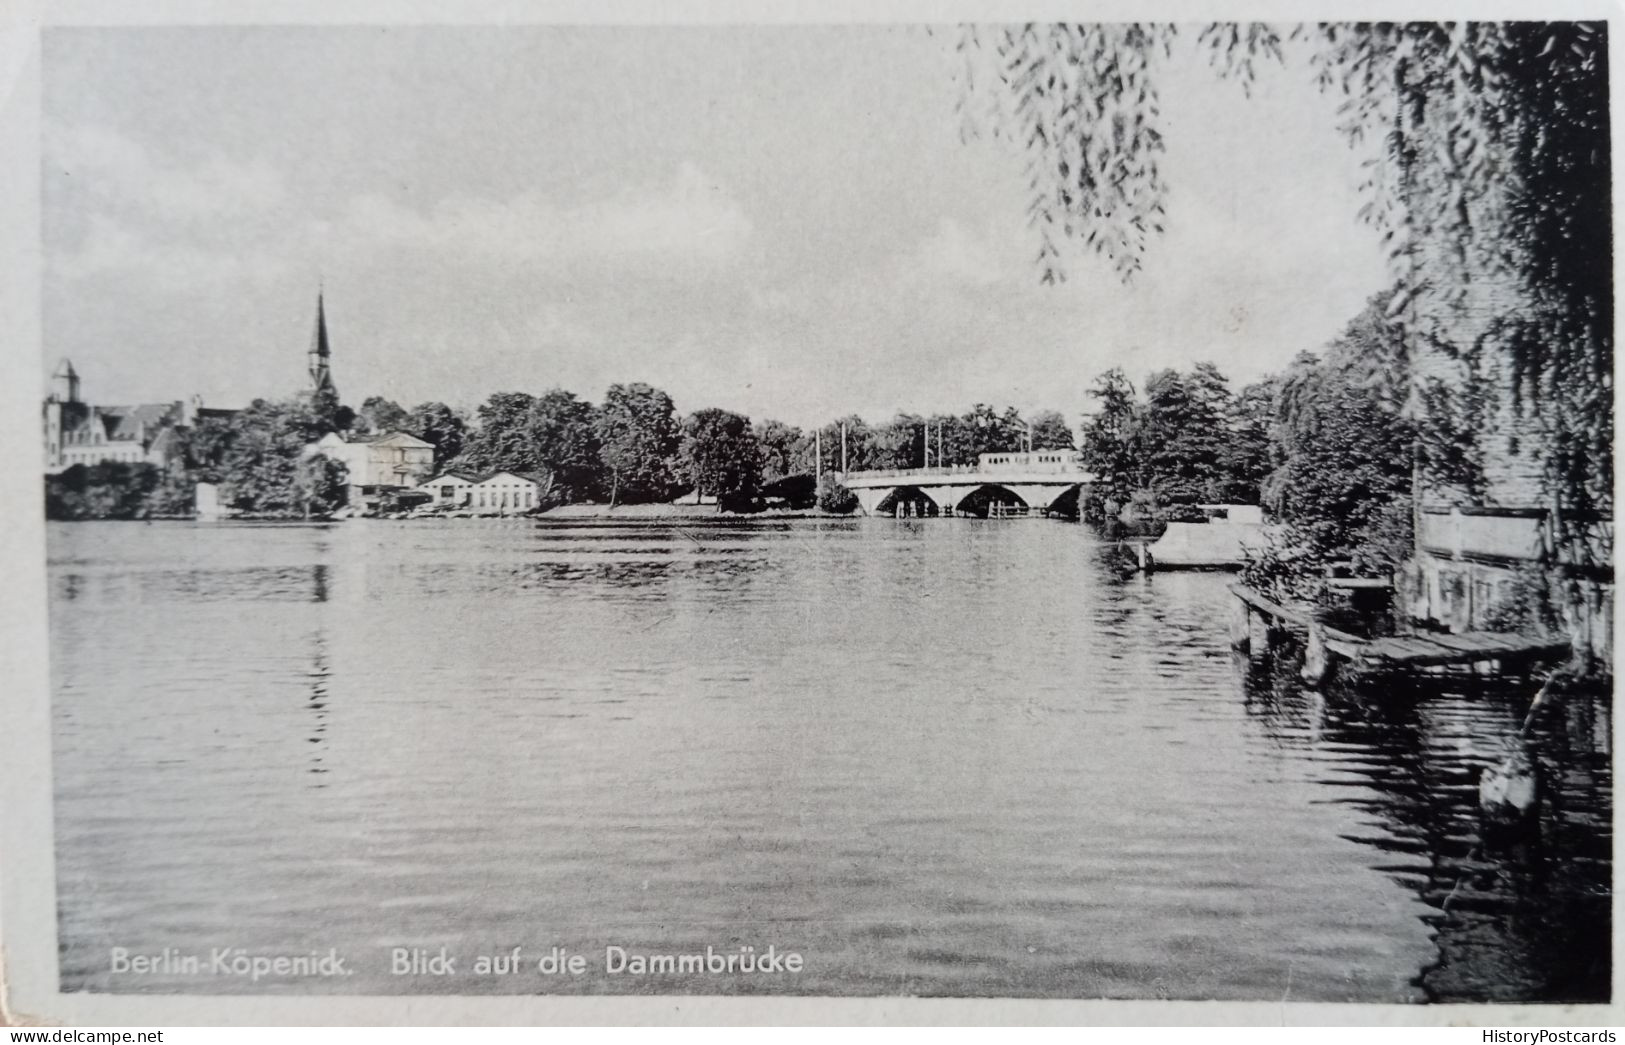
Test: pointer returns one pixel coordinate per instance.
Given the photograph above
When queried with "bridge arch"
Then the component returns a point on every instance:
(1068, 504)
(991, 499)
(907, 502)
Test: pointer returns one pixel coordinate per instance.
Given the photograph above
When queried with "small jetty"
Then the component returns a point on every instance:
(1326, 646)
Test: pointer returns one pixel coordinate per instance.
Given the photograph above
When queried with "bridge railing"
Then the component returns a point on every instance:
(905, 473)
(1008, 471)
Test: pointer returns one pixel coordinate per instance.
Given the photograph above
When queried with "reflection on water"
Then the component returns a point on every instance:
(1514, 919)
(943, 757)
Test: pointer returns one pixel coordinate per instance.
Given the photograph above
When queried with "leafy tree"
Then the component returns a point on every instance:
(952, 441)
(379, 415)
(1345, 455)
(205, 446)
(1244, 458)
(564, 432)
(1180, 435)
(861, 451)
(900, 443)
(992, 432)
(1109, 449)
(326, 412)
(261, 471)
(319, 485)
(639, 436)
(784, 452)
(721, 456)
(439, 424)
(1051, 432)
(1210, 388)
(502, 438)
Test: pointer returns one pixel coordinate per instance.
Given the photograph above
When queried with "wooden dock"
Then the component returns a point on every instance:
(1326, 645)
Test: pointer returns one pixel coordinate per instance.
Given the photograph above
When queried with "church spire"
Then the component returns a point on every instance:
(321, 377)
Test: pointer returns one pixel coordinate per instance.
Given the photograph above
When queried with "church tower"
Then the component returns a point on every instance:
(65, 383)
(321, 377)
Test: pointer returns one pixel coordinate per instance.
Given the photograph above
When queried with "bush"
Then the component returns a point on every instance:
(833, 497)
(108, 490)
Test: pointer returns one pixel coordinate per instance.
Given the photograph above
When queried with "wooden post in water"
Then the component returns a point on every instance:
(1241, 624)
(1317, 660)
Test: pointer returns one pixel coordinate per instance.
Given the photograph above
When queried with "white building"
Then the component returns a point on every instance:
(506, 492)
(456, 488)
(379, 464)
(493, 493)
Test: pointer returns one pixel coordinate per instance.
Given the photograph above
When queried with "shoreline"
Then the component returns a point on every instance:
(678, 511)
(688, 512)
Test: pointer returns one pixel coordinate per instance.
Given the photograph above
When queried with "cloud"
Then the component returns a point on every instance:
(689, 221)
(175, 265)
(117, 171)
(127, 208)
(962, 257)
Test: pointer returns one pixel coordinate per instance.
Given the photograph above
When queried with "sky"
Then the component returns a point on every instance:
(783, 221)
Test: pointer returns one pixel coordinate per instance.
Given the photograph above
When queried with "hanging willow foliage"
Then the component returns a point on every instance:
(1494, 162)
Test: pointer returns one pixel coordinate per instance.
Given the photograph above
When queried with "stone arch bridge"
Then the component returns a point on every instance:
(998, 485)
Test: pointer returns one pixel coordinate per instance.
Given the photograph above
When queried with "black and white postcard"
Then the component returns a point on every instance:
(543, 512)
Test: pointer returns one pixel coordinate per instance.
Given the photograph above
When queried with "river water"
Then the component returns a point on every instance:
(934, 757)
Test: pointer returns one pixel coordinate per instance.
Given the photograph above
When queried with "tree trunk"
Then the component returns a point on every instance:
(614, 486)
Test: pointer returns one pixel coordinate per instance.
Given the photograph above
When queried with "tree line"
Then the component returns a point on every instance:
(1323, 445)
(632, 447)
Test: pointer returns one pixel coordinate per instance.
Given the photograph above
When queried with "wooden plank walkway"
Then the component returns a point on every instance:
(1388, 653)
(1469, 647)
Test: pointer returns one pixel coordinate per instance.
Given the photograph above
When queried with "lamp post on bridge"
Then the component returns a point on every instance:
(926, 438)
